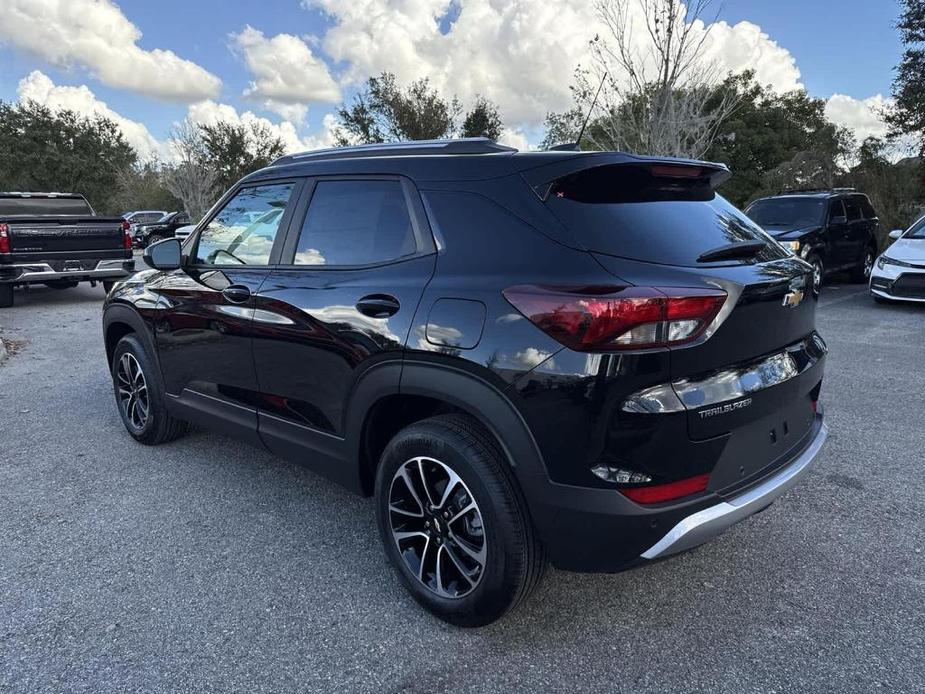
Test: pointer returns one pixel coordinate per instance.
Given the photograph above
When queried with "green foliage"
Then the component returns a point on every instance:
(386, 112)
(141, 187)
(45, 150)
(234, 150)
(907, 117)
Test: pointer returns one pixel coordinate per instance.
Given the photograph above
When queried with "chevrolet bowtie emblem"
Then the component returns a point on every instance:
(793, 298)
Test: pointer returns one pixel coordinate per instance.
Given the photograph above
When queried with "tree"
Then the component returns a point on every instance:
(483, 119)
(237, 149)
(59, 150)
(659, 98)
(385, 112)
(141, 187)
(192, 177)
(907, 116)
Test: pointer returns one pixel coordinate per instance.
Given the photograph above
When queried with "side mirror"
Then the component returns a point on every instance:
(164, 255)
(838, 221)
(896, 234)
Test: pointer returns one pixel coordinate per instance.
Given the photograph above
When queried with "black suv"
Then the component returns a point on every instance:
(586, 357)
(163, 228)
(833, 230)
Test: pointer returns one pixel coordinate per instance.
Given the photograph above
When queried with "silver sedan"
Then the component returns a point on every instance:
(899, 273)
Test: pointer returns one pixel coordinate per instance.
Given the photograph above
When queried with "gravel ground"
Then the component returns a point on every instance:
(204, 565)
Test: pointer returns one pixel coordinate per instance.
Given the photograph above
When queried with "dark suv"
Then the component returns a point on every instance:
(163, 228)
(833, 230)
(586, 357)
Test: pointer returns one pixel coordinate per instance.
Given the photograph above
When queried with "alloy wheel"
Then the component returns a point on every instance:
(437, 527)
(868, 264)
(133, 391)
(817, 275)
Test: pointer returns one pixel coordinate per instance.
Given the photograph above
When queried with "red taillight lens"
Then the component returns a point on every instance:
(5, 238)
(604, 318)
(659, 493)
(126, 235)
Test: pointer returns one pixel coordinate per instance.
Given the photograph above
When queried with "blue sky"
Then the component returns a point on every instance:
(846, 47)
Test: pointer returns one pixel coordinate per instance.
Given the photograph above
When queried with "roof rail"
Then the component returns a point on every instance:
(789, 191)
(464, 145)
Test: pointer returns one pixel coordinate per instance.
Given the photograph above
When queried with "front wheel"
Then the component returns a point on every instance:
(818, 271)
(140, 395)
(453, 523)
(153, 238)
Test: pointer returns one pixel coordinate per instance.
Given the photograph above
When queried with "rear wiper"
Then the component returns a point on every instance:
(742, 249)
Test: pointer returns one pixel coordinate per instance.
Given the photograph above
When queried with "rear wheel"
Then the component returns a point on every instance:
(6, 295)
(453, 523)
(140, 395)
(862, 272)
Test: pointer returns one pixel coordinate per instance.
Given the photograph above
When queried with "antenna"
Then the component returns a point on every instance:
(576, 146)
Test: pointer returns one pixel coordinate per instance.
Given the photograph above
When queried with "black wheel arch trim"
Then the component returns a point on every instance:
(121, 313)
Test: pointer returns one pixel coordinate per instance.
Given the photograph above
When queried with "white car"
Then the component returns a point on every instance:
(899, 273)
(183, 233)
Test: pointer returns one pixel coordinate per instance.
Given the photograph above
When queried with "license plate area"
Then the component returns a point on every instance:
(72, 266)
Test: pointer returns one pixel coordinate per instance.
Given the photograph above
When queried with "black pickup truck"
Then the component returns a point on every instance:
(58, 240)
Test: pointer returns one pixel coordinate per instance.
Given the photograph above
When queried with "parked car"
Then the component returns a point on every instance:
(139, 217)
(58, 240)
(833, 230)
(590, 358)
(163, 228)
(899, 273)
(183, 232)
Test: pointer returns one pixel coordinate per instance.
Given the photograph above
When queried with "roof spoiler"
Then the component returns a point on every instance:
(542, 178)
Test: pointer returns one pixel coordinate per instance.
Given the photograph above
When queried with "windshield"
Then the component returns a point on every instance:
(787, 212)
(165, 218)
(917, 230)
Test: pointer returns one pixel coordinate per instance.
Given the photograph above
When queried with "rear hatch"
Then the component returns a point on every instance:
(751, 379)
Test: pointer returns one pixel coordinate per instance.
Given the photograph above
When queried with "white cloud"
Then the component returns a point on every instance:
(209, 112)
(288, 76)
(520, 53)
(861, 115)
(38, 87)
(96, 34)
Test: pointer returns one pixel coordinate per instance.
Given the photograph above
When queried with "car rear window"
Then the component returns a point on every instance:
(44, 206)
(620, 213)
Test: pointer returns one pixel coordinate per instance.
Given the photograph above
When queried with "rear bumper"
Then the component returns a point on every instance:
(27, 273)
(704, 525)
(600, 530)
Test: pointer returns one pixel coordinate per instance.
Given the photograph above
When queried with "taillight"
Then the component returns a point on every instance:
(5, 238)
(659, 493)
(606, 318)
(126, 235)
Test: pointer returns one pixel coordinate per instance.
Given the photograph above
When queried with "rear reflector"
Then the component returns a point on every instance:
(609, 318)
(126, 235)
(666, 492)
(4, 238)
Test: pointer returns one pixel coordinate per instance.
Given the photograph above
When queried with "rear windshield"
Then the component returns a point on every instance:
(658, 226)
(42, 206)
(788, 212)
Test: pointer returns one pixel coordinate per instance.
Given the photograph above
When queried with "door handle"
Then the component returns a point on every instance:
(236, 293)
(378, 306)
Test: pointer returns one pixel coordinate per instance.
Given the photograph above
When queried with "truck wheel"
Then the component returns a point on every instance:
(153, 238)
(6, 295)
(818, 271)
(140, 395)
(453, 522)
(862, 272)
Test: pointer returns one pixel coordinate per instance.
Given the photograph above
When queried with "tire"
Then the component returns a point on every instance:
(153, 238)
(157, 426)
(107, 286)
(6, 295)
(861, 274)
(818, 271)
(496, 528)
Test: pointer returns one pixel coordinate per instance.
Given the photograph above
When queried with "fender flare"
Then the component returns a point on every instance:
(121, 313)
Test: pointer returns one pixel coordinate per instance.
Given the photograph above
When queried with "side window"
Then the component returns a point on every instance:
(355, 223)
(242, 233)
(854, 209)
(837, 209)
(183, 219)
(867, 208)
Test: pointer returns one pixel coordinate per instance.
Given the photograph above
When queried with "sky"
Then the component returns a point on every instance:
(289, 63)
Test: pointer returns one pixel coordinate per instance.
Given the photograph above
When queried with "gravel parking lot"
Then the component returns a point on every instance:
(204, 565)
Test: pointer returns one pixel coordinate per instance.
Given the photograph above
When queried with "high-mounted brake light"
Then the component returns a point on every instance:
(659, 493)
(4, 238)
(607, 318)
(126, 235)
(672, 171)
